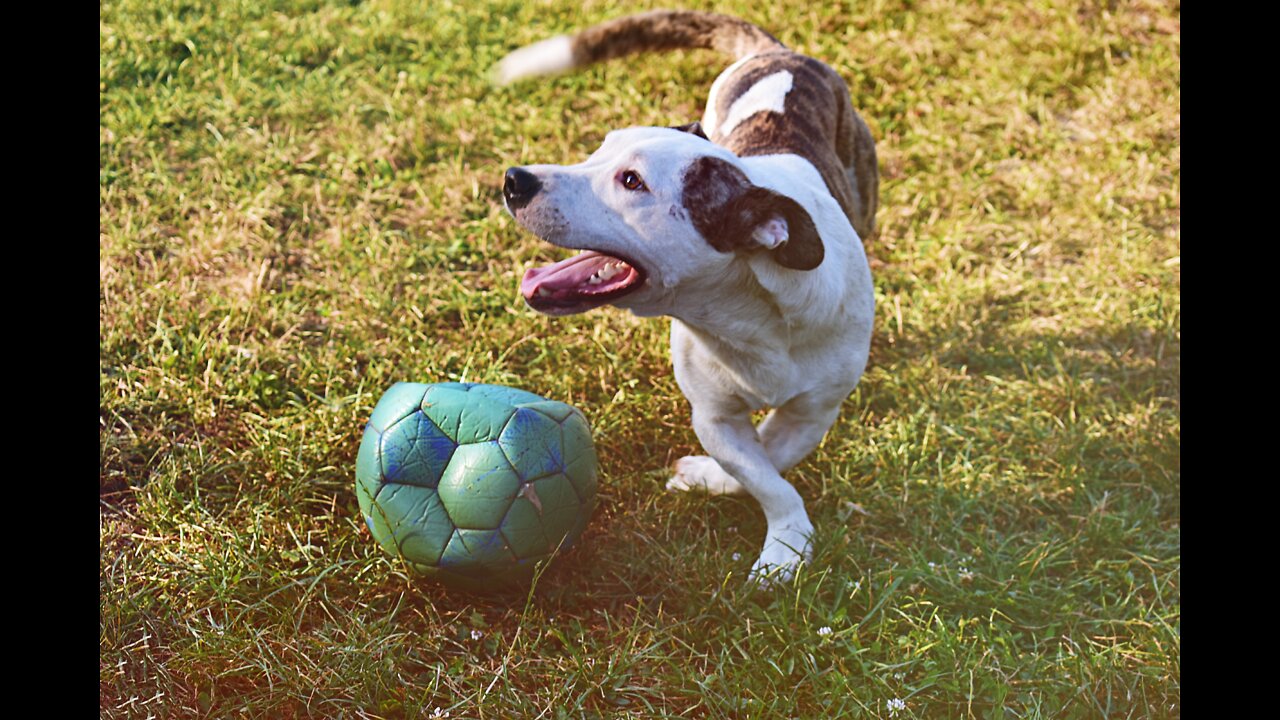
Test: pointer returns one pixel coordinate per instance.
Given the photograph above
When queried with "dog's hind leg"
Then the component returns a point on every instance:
(857, 152)
(789, 434)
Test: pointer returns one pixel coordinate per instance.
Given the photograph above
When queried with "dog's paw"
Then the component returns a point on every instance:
(703, 474)
(785, 549)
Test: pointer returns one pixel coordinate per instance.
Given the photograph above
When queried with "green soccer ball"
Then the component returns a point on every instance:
(474, 484)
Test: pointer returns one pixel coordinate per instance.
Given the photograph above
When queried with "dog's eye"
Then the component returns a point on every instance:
(630, 180)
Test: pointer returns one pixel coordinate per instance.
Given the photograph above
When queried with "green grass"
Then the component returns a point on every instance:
(300, 206)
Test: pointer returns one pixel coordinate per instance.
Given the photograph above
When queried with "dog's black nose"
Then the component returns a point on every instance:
(519, 186)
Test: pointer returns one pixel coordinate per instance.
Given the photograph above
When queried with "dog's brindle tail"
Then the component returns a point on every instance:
(652, 31)
(670, 30)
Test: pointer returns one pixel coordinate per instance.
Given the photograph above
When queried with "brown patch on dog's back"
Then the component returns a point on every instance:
(818, 123)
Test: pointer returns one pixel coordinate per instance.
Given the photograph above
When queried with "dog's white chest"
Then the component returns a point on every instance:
(762, 377)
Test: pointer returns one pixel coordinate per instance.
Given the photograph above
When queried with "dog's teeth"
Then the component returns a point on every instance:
(608, 272)
(594, 280)
(543, 292)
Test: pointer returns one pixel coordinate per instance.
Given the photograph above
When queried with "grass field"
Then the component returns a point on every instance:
(300, 206)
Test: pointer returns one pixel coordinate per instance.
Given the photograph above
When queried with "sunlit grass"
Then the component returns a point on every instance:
(299, 207)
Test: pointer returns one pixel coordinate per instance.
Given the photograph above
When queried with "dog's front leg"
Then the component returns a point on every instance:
(728, 436)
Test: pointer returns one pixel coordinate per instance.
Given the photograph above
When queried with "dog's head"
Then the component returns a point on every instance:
(653, 210)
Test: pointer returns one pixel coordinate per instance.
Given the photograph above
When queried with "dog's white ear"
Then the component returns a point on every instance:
(733, 214)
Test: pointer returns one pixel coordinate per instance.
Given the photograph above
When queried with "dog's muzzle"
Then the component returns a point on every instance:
(518, 187)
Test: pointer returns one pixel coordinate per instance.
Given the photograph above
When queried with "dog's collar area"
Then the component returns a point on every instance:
(585, 281)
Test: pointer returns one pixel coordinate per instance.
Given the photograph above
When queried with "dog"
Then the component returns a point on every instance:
(744, 227)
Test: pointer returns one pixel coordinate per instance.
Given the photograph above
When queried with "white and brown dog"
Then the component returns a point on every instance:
(745, 230)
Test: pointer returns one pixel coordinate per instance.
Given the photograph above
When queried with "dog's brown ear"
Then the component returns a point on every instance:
(733, 214)
(784, 227)
(693, 128)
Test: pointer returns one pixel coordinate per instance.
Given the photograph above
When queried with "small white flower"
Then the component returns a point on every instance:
(899, 676)
(439, 712)
(933, 566)
(737, 557)
(965, 574)
(824, 630)
(477, 634)
(852, 585)
(895, 705)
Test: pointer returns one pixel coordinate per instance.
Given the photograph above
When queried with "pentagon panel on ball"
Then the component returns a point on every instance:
(474, 485)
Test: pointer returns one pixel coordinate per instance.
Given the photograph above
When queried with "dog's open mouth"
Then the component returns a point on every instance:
(585, 281)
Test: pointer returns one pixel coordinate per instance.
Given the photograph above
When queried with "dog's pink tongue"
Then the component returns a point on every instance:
(572, 275)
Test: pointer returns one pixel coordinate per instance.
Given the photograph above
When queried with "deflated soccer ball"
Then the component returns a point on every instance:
(474, 484)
